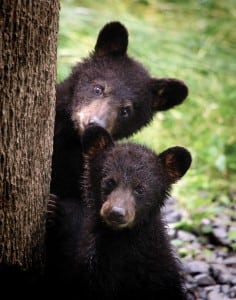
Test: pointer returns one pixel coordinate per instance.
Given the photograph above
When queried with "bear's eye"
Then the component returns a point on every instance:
(125, 111)
(139, 190)
(109, 184)
(98, 90)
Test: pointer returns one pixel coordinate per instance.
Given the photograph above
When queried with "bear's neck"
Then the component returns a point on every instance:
(102, 248)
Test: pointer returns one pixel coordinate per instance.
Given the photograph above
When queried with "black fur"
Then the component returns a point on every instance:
(96, 259)
(128, 98)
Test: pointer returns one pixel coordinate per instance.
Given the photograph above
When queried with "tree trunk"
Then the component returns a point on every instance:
(28, 41)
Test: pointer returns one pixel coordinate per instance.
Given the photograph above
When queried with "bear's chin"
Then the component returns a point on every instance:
(117, 226)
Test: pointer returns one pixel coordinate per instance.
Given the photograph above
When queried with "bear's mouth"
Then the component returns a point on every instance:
(116, 225)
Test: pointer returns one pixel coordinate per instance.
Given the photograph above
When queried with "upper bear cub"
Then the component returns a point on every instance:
(109, 89)
(113, 245)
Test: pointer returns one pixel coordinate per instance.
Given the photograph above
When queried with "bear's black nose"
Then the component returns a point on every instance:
(92, 123)
(116, 214)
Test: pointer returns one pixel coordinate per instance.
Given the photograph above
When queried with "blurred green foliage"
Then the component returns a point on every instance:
(192, 40)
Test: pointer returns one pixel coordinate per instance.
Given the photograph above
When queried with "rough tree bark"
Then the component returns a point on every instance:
(28, 41)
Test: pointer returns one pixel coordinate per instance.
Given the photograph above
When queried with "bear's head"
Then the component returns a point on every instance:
(128, 182)
(112, 90)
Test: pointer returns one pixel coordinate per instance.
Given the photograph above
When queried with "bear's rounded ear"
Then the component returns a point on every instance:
(167, 92)
(175, 161)
(112, 40)
(95, 140)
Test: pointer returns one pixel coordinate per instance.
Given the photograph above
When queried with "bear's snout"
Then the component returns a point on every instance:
(118, 211)
(116, 215)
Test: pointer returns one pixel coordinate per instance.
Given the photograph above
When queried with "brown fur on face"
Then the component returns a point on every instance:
(118, 211)
(104, 105)
(97, 112)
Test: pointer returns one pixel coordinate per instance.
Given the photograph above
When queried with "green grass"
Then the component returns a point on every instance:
(190, 40)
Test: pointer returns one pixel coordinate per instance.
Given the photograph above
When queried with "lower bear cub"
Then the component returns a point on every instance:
(114, 243)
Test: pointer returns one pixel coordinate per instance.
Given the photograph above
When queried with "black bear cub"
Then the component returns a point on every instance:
(114, 243)
(109, 89)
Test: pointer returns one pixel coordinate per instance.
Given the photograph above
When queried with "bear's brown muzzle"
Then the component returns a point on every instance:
(118, 211)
